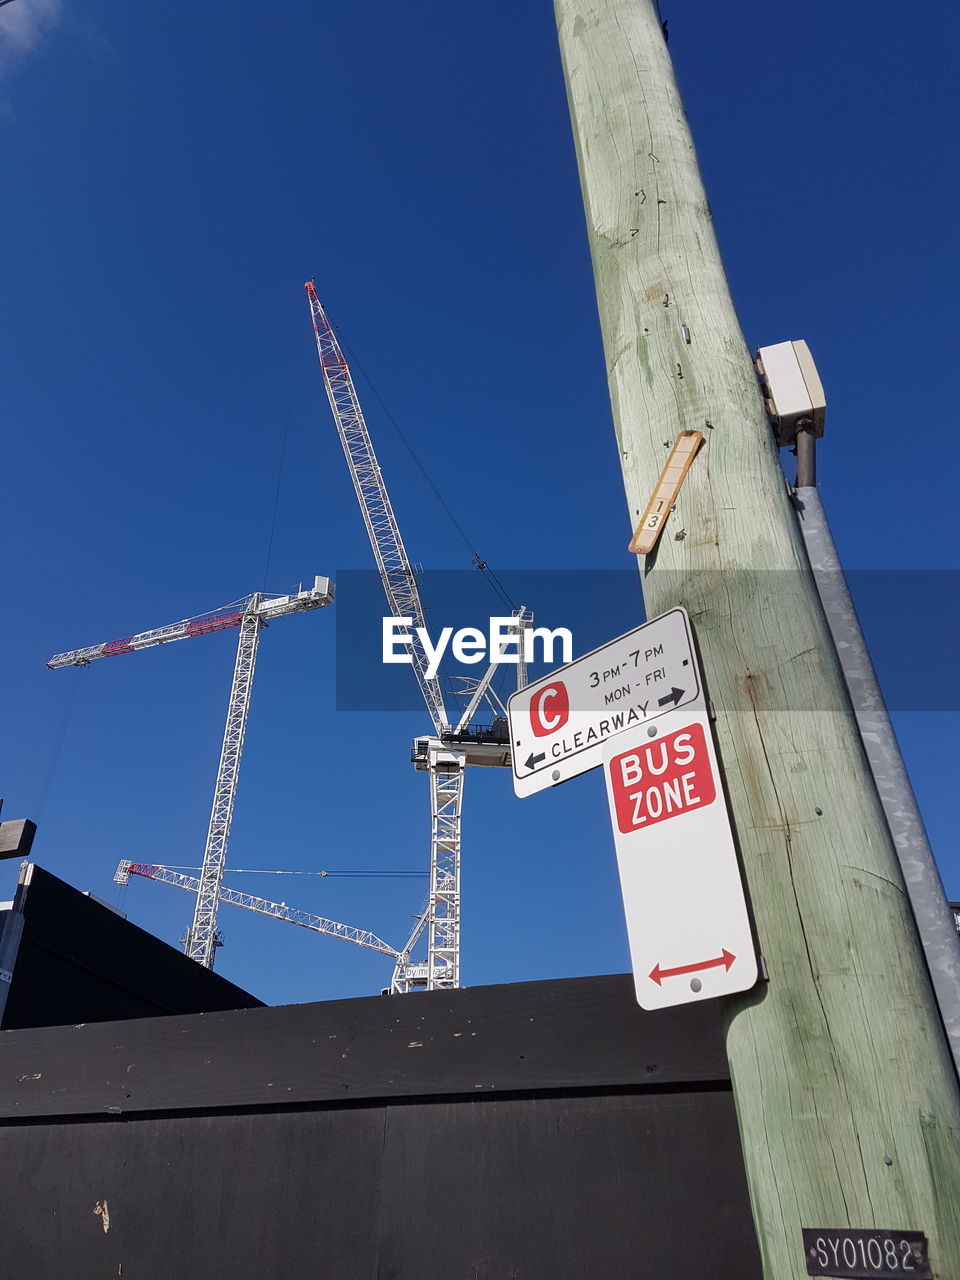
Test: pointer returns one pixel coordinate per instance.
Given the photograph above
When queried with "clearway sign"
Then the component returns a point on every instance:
(558, 725)
(690, 936)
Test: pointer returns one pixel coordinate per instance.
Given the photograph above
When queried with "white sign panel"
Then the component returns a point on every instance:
(690, 936)
(559, 724)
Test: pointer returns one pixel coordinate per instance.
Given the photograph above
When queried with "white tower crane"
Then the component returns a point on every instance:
(278, 910)
(446, 754)
(405, 974)
(250, 614)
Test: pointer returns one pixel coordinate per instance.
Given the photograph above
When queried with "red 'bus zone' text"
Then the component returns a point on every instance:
(662, 779)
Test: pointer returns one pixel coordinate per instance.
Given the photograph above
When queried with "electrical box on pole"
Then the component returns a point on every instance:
(792, 390)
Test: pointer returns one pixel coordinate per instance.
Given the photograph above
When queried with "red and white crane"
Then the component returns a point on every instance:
(454, 745)
(250, 614)
(405, 974)
(278, 910)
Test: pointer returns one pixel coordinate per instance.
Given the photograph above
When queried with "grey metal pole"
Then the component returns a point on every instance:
(806, 459)
(931, 910)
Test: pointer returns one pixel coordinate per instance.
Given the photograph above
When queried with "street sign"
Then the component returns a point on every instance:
(690, 936)
(558, 725)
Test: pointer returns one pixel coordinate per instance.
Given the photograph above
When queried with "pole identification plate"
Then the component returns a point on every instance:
(867, 1253)
(558, 724)
(690, 936)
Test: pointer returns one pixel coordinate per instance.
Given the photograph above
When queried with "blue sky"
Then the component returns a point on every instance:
(169, 182)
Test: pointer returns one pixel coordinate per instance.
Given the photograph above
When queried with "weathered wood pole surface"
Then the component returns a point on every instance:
(847, 1101)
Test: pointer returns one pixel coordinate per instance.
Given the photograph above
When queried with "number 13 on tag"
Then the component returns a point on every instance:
(665, 494)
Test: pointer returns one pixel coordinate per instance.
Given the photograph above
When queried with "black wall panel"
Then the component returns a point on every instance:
(78, 961)
(538, 1131)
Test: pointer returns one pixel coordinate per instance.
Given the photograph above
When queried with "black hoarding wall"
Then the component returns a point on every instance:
(537, 1131)
(68, 958)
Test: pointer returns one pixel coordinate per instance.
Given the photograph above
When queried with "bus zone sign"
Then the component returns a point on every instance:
(560, 724)
(690, 935)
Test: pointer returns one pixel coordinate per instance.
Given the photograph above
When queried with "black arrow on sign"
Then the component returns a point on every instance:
(673, 696)
(531, 759)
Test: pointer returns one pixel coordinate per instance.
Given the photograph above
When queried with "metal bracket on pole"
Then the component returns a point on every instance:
(796, 403)
(931, 911)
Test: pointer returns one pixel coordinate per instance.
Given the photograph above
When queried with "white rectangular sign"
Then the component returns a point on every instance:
(558, 725)
(690, 935)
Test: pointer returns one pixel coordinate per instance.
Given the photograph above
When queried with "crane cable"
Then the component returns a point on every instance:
(480, 563)
(276, 495)
(58, 745)
(270, 871)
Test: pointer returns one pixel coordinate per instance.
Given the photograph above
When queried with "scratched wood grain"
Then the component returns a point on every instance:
(847, 1099)
(570, 1034)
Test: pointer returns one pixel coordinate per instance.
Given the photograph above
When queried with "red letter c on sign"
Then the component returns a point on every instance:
(549, 709)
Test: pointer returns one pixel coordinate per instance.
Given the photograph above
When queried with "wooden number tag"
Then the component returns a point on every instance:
(665, 494)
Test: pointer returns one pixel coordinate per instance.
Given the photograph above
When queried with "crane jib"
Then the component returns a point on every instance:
(399, 581)
(202, 626)
(262, 906)
(118, 646)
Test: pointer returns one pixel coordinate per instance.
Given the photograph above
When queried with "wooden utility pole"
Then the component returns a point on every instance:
(847, 1100)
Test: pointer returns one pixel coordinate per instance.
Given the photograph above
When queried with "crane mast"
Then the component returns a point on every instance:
(201, 941)
(250, 614)
(446, 801)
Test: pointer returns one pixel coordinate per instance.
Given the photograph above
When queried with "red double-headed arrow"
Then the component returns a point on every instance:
(726, 959)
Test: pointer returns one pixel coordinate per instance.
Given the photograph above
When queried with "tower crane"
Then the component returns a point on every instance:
(405, 974)
(250, 614)
(453, 746)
